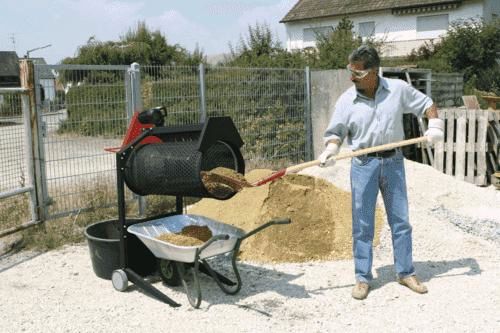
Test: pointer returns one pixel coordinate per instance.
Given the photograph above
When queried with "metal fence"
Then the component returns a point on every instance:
(269, 106)
(81, 110)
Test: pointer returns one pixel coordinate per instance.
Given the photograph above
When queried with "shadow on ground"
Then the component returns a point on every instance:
(255, 280)
(428, 270)
(13, 258)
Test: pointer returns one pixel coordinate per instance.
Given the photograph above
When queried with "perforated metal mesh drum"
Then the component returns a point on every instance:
(173, 168)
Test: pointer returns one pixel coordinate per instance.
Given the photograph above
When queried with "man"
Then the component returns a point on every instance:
(370, 114)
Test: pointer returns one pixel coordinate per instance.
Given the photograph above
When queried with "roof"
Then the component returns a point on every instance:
(308, 9)
(9, 64)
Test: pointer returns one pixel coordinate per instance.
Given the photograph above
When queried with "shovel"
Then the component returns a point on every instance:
(238, 184)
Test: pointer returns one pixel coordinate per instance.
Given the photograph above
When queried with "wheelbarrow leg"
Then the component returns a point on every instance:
(235, 287)
(148, 287)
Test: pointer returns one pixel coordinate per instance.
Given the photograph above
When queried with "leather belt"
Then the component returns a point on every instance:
(383, 154)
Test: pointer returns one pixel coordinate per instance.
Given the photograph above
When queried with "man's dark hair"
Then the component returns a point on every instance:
(367, 55)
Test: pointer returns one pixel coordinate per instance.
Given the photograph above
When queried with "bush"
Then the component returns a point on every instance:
(470, 46)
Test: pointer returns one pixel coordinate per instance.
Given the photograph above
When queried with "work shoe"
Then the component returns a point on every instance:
(360, 290)
(413, 283)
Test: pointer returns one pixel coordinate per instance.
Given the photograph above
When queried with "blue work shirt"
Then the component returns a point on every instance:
(370, 122)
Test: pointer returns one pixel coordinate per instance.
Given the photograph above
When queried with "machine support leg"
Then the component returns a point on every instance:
(148, 287)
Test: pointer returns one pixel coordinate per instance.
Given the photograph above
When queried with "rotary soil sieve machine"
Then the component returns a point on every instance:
(168, 160)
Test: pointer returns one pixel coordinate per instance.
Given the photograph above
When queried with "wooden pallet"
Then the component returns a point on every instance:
(463, 154)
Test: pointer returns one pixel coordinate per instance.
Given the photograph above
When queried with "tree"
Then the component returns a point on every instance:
(472, 47)
(333, 49)
(261, 48)
(139, 44)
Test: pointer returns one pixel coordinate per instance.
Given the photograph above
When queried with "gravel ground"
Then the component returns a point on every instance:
(456, 229)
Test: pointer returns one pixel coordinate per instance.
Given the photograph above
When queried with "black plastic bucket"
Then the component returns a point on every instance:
(103, 239)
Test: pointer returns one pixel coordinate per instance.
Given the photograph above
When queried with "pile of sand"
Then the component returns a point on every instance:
(320, 214)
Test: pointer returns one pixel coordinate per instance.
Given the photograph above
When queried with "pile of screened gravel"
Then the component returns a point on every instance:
(320, 214)
(191, 235)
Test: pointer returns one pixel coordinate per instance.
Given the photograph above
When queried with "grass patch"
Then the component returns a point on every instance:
(14, 211)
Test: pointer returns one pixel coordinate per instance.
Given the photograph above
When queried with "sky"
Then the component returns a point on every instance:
(68, 24)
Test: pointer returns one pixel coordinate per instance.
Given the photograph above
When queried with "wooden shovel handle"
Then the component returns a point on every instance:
(360, 152)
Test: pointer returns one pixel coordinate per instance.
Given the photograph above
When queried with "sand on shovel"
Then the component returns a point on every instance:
(320, 213)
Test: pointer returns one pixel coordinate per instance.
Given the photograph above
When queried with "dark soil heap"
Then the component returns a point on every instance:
(320, 213)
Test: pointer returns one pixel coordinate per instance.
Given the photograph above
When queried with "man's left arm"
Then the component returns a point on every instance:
(432, 112)
(419, 104)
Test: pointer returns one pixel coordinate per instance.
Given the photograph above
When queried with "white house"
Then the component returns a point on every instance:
(403, 25)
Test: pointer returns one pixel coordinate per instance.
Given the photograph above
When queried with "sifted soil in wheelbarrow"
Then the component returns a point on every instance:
(191, 235)
(320, 214)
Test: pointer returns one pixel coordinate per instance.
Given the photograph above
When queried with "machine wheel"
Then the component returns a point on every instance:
(120, 280)
(169, 273)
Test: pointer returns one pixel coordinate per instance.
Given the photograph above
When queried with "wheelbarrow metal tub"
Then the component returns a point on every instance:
(148, 232)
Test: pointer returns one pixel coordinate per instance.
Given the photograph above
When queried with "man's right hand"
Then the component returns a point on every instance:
(325, 159)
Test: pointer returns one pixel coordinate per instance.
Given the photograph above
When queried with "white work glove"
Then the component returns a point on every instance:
(331, 150)
(435, 131)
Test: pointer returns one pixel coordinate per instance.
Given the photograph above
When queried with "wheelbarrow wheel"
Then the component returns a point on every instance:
(169, 273)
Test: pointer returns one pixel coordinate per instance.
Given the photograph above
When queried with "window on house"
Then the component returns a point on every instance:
(366, 29)
(310, 34)
(432, 23)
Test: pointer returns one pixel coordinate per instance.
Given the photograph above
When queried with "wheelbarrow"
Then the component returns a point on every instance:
(174, 259)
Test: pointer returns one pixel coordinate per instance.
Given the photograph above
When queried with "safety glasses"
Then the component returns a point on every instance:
(357, 73)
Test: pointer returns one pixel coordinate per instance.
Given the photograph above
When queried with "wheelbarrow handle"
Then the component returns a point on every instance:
(211, 240)
(265, 225)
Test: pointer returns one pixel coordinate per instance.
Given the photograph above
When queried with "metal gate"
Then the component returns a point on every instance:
(17, 189)
(81, 110)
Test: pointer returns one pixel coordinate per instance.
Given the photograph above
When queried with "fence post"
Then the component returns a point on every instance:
(136, 100)
(135, 85)
(27, 76)
(28, 143)
(129, 106)
(307, 114)
(203, 110)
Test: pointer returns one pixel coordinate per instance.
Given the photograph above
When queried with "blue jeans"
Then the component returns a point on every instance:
(368, 176)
